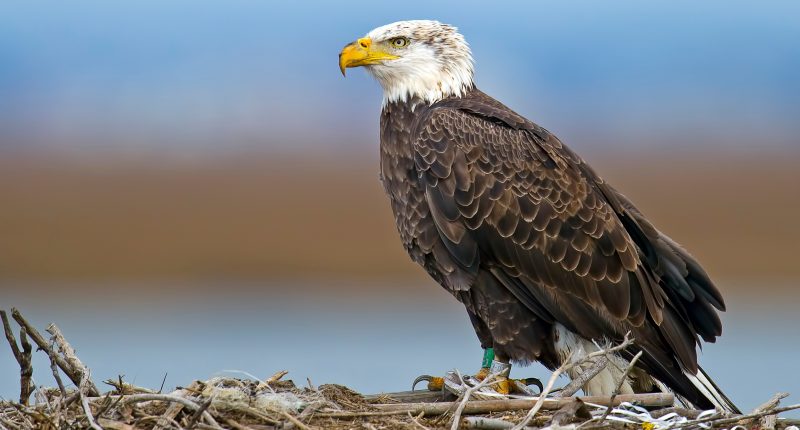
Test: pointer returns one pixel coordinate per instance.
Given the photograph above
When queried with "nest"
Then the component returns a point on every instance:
(276, 403)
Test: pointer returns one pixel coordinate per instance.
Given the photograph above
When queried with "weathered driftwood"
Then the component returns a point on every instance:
(487, 406)
(75, 375)
(23, 357)
(408, 397)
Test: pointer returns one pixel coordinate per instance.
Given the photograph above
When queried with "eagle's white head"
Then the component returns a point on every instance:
(425, 59)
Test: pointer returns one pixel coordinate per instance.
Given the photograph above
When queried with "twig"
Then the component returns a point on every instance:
(199, 412)
(770, 404)
(578, 383)
(114, 425)
(768, 422)
(71, 357)
(236, 425)
(85, 402)
(684, 412)
(543, 395)
(174, 409)
(619, 384)
(415, 420)
(163, 381)
(276, 377)
(463, 403)
(295, 421)
(56, 375)
(23, 357)
(40, 341)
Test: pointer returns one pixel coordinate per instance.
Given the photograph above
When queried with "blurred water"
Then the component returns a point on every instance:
(372, 338)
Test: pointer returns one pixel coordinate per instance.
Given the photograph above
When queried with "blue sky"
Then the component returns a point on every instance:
(264, 74)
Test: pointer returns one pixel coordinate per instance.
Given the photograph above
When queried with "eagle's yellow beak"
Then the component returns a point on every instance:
(362, 53)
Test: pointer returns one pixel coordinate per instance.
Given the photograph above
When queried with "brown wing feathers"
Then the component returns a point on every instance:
(506, 196)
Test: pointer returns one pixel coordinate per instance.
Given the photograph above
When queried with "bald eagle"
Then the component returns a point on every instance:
(547, 258)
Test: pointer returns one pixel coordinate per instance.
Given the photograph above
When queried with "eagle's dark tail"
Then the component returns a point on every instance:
(711, 392)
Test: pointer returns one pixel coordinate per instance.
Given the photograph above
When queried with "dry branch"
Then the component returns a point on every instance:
(484, 423)
(74, 375)
(462, 403)
(578, 383)
(504, 405)
(23, 357)
(620, 383)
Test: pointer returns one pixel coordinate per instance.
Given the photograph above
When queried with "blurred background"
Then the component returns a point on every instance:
(190, 187)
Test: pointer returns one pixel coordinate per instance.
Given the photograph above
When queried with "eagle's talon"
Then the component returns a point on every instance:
(435, 383)
(533, 381)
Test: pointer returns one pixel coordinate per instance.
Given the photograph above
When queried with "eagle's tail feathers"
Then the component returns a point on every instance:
(711, 391)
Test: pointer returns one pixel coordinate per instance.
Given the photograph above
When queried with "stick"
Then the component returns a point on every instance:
(504, 405)
(23, 358)
(487, 423)
(88, 412)
(294, 421)
(463, 403)
(405, 396)
(578, 383)
(415, 421)
(236, 425)
(174, 409)
(771, 404)
(150, 397)
(371, 413)
(543, 395)
(684, 412)
(619, 384)
(40, 341)
(199, 412)
(768, 422)
(54, 368)
(69, 354)
(114, 425)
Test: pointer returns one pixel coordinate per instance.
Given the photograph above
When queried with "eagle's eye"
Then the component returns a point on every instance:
(399, 42)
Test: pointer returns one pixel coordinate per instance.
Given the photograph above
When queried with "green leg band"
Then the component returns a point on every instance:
(488, 356)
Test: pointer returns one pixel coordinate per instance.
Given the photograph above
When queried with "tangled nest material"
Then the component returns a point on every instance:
(275, 403)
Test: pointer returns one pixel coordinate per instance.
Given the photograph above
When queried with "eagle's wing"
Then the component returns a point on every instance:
(506, 196)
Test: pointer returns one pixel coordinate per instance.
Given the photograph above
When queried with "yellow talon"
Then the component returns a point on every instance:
(503, 385)
(482, 374)
(436, 383)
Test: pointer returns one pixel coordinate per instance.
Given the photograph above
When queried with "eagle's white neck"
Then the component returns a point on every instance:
(404, 80)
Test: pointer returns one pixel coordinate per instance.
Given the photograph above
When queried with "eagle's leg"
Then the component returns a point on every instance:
(436, 383)
(492, 363)
(501, 367)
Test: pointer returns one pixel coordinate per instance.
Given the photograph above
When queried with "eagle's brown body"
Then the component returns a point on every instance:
(523, 232)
